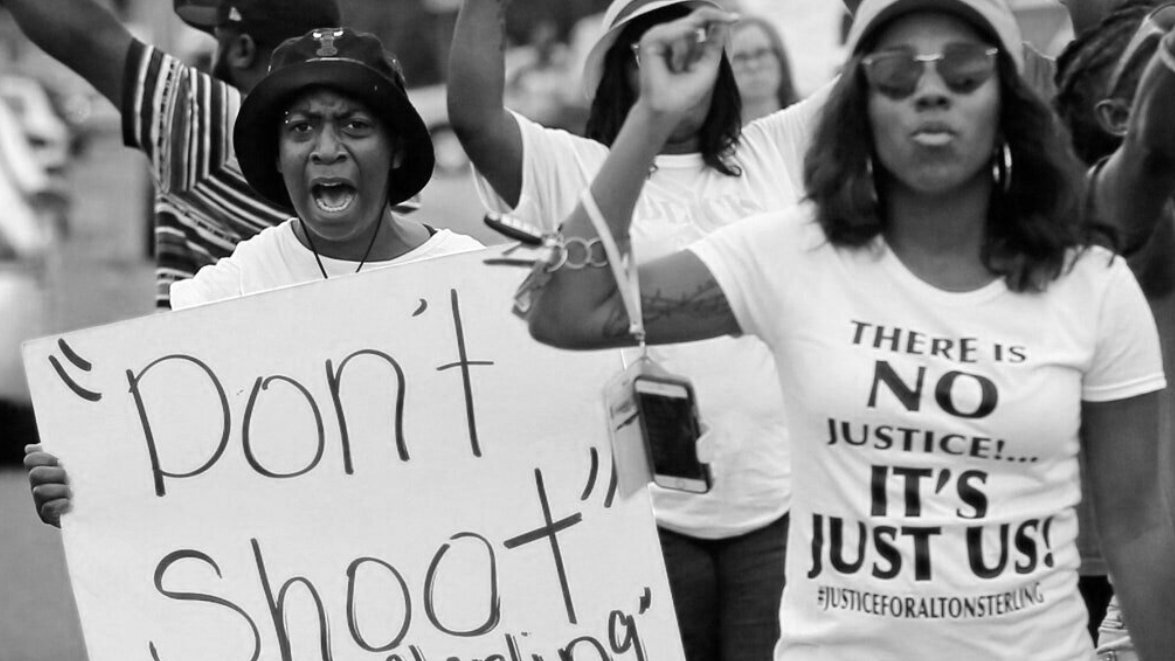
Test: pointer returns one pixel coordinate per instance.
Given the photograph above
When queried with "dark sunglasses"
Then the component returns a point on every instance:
(963, 67)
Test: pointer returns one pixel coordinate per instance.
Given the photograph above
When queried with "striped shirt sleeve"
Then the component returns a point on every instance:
(178, 116)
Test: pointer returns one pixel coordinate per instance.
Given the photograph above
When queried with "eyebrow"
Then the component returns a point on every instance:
(344, 113)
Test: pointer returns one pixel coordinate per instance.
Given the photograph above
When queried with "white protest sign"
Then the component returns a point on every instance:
(382, 466)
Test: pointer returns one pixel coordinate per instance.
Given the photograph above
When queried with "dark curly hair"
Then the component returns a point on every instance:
(1082, 74)
(1030, 226)
(717, 139)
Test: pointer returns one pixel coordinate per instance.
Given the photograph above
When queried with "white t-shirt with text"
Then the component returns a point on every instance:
(935, 441)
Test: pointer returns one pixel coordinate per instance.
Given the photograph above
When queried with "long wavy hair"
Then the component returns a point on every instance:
(719, 135)
(1030, 227)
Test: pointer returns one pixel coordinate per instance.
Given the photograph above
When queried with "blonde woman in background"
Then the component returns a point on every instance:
(761, 68)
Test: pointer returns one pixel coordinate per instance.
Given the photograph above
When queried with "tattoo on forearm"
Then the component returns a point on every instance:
(705, 302)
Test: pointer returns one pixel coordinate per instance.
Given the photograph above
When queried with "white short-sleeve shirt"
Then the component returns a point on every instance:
(935, 441)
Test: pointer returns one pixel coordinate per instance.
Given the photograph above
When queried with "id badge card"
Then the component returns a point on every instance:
(654, 430)
(629, 454)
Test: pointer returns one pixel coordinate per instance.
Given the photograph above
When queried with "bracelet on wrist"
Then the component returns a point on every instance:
(575, 253)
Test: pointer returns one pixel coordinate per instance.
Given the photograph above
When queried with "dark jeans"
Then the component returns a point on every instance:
(18, 428)
(1096, 591)
(726, 592)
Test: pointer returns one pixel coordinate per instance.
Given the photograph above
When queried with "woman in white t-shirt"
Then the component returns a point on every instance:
(724, 551)
(330, 134)
(948, 341)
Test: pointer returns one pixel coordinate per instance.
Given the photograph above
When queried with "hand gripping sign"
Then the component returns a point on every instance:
(382, 466)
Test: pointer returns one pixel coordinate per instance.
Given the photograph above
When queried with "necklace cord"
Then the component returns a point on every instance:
(314, 249)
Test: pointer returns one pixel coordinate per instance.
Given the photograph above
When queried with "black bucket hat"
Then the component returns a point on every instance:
(349, 62)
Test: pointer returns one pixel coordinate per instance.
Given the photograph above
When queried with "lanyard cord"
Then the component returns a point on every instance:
(623, 269)
(313, 249)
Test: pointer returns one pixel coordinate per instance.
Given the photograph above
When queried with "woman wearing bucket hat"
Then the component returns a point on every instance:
(330, 133)
(724, 550)
(948, 341)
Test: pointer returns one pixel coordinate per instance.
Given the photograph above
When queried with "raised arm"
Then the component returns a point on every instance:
(81, 35)
(1124, 448)
(1136, 182)
(477, 81)
(583, 309)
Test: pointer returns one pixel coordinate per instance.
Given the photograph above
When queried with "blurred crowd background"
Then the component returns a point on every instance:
(75, 234)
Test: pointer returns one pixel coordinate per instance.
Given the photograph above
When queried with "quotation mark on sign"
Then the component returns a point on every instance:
(593, 474)
(78, 362)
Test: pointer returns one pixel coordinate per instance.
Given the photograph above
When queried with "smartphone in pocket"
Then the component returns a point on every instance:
(669, 424)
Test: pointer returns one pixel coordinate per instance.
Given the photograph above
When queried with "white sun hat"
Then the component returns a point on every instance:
(992, 17)
(620, 13)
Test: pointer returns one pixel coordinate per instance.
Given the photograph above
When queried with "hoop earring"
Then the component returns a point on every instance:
(872, 181)
(1001, 167)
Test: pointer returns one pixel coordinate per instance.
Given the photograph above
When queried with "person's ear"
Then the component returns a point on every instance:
(397, 154)
(1113, 115)
(242, 51)
(277, 162)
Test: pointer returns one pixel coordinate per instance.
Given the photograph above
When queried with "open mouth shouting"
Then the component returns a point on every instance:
(333, 196)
